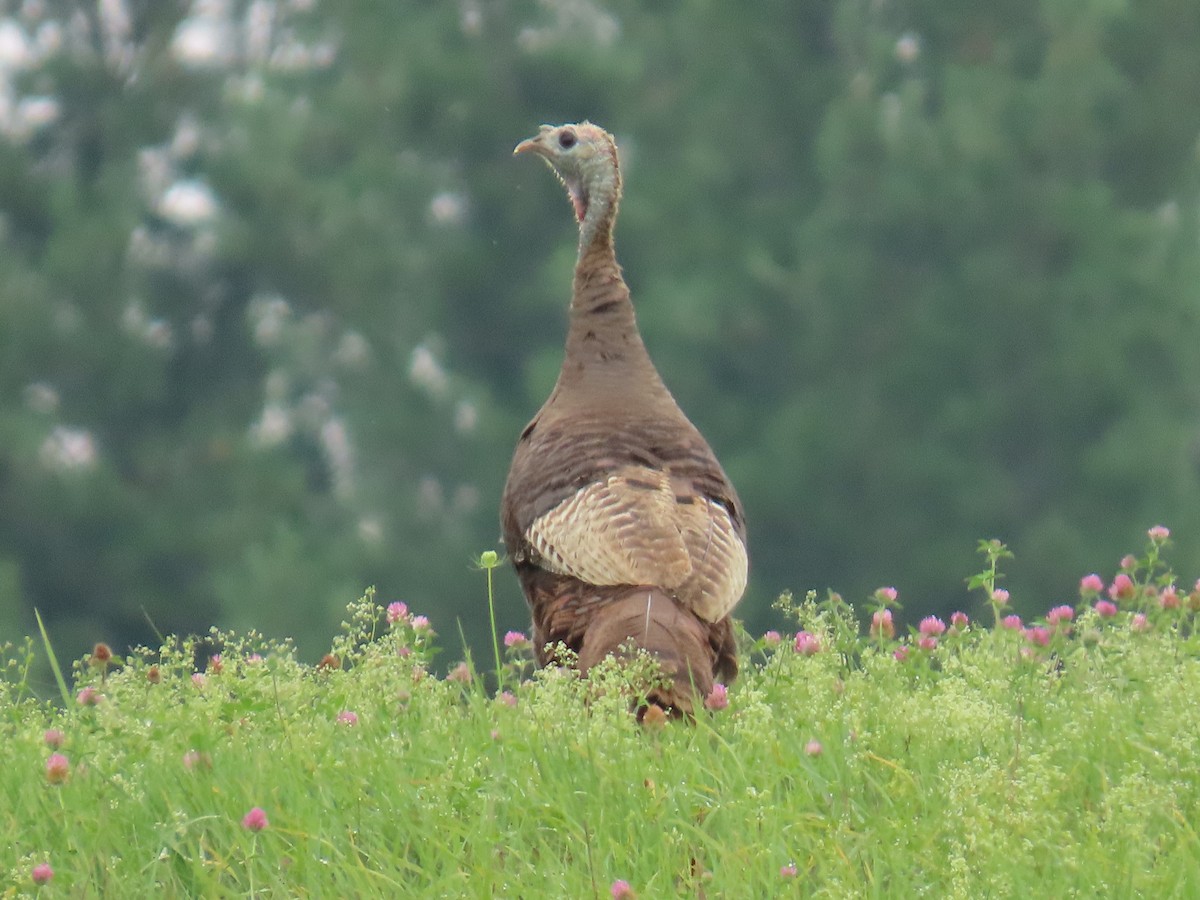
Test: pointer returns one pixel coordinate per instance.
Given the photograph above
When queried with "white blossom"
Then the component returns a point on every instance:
(260, 23)
(430, 499)
(154, 170)
(427, 373)
(186, 140)
(202, 329)
(466, 499)
(448, 208)
(370, 530)
(48, 38)
(41, 397)
(66, 449)
(203, 42)
(268, 314)
(37, 112)
(339, 455)
(470, 18)
(352, 351)
(188, 203)
(908, 47)
(159, 334)
(466, 417)
(273, 427)
(16, 53)
(116, 25)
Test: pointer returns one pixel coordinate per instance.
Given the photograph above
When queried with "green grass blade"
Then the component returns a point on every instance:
(58, 675)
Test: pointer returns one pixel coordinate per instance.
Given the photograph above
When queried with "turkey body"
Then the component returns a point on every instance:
(622, 526)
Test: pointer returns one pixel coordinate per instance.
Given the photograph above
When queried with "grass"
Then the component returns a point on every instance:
(1000, 762)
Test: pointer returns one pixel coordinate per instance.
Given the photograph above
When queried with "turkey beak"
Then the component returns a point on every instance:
(536, 144)
(533, 145)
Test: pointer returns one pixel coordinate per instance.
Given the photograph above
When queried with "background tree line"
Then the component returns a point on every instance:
(275, 301)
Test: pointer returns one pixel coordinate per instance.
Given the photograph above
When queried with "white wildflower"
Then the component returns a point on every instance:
(15, 50)
(448, 208)
(66, 449)
(370, 530)
(188, 203)
(466, 417)
(260, 22)
(430, 500)
(41, 397)
(203, 42)
(339, 455)
(273, 427)
(908, 47)
(426, 372)
(268, 315)
(352, 350)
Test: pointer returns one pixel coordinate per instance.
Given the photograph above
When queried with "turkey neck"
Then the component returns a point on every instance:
(604, 350)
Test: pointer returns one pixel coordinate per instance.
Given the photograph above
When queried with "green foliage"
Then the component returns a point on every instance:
(990, 763)
(276, 302)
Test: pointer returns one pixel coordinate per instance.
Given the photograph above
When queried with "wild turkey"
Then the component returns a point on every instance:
(619, 520)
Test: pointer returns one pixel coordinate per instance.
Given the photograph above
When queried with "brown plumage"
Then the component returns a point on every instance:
(619, 520)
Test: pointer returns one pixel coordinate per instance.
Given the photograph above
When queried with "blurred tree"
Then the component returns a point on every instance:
(275, 301)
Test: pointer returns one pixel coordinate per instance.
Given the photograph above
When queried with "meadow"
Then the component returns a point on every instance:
(852, 758)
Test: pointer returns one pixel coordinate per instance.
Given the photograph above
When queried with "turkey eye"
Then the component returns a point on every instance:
(566, 140)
